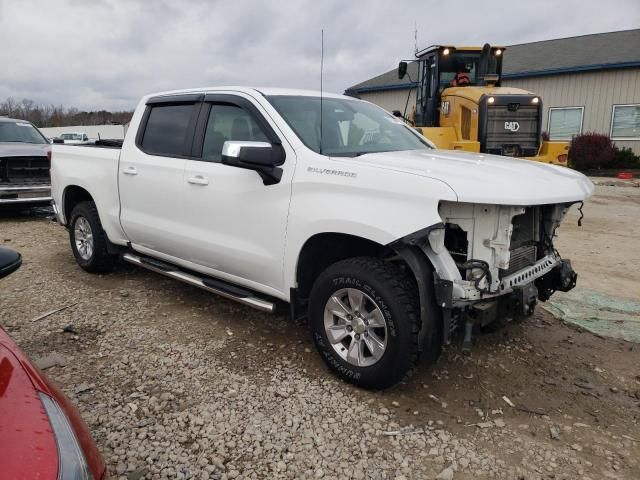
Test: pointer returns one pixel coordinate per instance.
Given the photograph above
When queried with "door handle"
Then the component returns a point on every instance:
(198, 180)
(130, 171)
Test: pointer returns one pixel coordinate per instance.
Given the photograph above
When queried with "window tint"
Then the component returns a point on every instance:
(166, 129)
(564, 123)
(228, 122)
(626, 121)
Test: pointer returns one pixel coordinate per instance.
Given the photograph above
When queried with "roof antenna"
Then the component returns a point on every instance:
(415, 38)
(321, 69)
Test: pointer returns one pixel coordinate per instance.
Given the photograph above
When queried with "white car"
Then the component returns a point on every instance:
(74, 138)
(357, 222)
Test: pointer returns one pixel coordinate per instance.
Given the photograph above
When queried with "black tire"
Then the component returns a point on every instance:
(100, 260)
(396, 296)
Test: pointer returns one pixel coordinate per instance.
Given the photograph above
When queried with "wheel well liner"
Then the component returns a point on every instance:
(324, 249)
(430, 313)
(71, 197)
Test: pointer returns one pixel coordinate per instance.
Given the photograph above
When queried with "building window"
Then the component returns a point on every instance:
(625, 122)
(565, 122)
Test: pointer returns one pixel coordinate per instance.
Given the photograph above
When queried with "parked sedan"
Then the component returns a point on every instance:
(41, 433)
(25, 156)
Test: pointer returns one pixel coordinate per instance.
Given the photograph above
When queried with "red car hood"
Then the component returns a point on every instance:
(25, 432)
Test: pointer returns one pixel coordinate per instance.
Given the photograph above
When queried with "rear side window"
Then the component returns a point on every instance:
(166, 130)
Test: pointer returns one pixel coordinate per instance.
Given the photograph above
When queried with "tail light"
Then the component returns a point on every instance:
(562, 158)
(71, 462)
(49, 155)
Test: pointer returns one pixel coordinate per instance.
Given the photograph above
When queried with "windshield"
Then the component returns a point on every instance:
(349, 127)
(71, 136)
(21, 132)
(459, 63)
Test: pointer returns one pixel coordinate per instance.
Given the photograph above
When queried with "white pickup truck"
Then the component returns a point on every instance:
(357, 222)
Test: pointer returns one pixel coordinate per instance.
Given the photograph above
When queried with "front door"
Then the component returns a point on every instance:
(235, 222)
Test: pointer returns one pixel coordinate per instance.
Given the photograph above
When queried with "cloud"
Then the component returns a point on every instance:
(108, 53)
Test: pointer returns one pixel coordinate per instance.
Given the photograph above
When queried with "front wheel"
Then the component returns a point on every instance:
(364, 319)
(88, 240)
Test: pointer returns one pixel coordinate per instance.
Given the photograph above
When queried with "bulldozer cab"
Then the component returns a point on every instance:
(440, 67)
(460, 105)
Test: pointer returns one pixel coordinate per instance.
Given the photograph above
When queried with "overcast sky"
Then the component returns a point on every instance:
(96, 54)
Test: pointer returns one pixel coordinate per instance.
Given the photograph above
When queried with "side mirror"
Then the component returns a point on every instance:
(262, 157)
(10, 261)
(402, 70)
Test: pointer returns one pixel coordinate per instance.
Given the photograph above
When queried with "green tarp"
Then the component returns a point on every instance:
(599, 313)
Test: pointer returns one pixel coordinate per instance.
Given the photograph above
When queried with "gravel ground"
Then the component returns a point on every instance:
(177, 383)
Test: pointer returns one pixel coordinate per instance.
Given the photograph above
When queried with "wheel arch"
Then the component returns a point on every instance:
(324, 249)
(319, 252)
(72, 196)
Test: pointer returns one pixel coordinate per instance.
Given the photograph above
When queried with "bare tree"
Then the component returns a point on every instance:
(51, 115)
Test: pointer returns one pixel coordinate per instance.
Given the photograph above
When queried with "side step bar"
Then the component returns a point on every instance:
(218, 287)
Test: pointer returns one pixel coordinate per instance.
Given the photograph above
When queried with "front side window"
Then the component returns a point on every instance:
(565, 122)
(228, 122)
(20, 132)
(349, 127)
(625, 122)
(166, 129)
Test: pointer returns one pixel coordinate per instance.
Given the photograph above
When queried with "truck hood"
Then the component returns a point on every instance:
(19, 149)
(492, 179)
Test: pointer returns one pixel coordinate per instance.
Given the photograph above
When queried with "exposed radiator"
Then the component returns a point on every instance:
(521, 257)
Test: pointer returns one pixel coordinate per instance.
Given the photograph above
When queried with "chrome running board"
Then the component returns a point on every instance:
(216, 286)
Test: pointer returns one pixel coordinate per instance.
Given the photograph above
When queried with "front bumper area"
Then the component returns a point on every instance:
(21, 195)
(521, 290)
(538, 282)
(466, 292)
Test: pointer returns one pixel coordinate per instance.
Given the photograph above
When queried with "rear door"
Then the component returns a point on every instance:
(151, 175)
(235, 222)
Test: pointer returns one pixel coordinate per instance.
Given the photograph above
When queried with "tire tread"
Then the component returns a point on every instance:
(102, 261)
(403, 289)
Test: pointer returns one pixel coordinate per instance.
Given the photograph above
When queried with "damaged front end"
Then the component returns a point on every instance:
(495, 261)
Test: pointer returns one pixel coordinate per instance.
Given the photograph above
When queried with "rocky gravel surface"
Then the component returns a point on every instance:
(177, 383)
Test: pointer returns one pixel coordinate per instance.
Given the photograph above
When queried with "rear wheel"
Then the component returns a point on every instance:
(88, 240)
(365, 322)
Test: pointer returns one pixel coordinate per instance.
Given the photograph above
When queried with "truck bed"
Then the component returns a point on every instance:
(93, 168)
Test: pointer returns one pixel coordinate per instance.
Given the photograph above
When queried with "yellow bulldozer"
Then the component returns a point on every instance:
(460, 105)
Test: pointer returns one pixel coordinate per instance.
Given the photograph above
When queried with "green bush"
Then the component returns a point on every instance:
(625, 158)
(591, 151)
